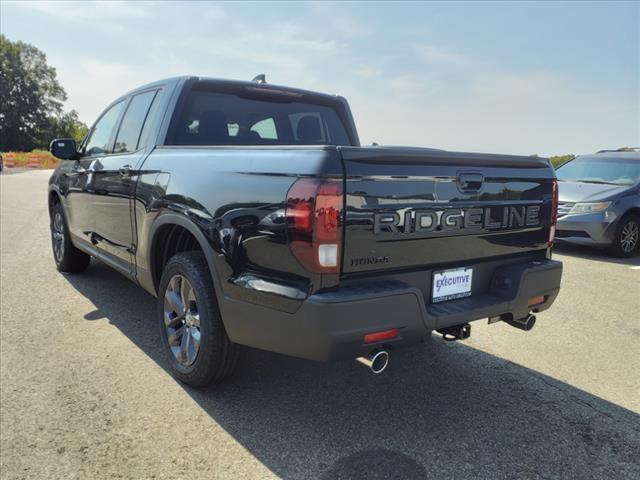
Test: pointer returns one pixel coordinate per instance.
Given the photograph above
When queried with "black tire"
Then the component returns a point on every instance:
(67, 257)
(627, 237)
(215, 357)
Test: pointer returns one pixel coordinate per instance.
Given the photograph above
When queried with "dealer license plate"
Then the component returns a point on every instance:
(451, 284)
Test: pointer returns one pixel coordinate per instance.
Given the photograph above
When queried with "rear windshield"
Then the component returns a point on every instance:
(244, 117)
(616, 171)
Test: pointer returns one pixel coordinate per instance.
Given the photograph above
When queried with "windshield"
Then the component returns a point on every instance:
(213, 117)
(617, 171)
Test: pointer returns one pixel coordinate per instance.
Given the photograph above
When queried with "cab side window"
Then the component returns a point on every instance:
(100, 140)
(129, 134)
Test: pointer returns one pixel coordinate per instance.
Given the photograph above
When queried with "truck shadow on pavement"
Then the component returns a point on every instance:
(441, 410)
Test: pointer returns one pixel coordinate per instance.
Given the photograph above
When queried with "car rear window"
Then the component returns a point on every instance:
(242, 116)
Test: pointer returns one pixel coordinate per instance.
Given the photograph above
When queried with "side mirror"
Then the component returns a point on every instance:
(64, 148)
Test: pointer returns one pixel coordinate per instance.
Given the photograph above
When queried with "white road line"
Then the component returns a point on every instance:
(635, 268)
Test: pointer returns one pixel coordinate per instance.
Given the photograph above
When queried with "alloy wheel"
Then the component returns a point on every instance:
(630, 236)
(57, 233)
(182, 321)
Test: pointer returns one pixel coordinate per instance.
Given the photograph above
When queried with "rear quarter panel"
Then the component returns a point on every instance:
(236, 199)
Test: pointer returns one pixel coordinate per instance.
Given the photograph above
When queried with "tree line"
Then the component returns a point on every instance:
(31, 100)
(558, 160)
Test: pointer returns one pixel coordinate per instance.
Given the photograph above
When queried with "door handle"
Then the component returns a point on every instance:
(125, 170)
(470, 182)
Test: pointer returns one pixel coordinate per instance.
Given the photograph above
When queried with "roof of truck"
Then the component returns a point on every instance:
(247, 83)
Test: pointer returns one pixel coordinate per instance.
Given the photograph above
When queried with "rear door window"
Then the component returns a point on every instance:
(129, 134)
(152, 117)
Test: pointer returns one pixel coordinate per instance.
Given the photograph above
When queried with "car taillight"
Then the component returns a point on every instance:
(554, 212)
(314, 222)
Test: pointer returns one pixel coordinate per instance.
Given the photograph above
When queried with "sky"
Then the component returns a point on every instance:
(525, 78)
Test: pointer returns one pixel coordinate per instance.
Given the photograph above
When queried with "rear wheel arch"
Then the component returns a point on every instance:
(171, 234)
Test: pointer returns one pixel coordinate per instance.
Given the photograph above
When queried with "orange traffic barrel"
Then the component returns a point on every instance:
(10, 160)
(34, 161)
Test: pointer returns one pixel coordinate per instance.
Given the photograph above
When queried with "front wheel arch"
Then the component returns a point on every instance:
(53, 199)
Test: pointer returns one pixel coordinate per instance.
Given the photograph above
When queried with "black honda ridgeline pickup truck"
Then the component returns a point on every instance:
(256, 218)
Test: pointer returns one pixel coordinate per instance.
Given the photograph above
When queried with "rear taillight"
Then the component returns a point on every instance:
(554, 212)
(314, 222)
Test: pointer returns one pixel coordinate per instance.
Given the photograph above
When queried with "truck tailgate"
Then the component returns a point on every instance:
(412, 207)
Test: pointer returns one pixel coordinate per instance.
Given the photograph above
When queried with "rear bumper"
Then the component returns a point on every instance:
(332, 325)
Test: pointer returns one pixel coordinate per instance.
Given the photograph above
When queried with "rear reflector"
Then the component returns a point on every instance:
(380, 336)
(536, 300)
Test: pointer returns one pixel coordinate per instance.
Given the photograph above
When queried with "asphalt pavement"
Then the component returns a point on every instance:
(13, 170)
(84, 393)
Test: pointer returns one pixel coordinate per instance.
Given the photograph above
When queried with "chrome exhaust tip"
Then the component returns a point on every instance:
(377, 360)
(527, 323)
